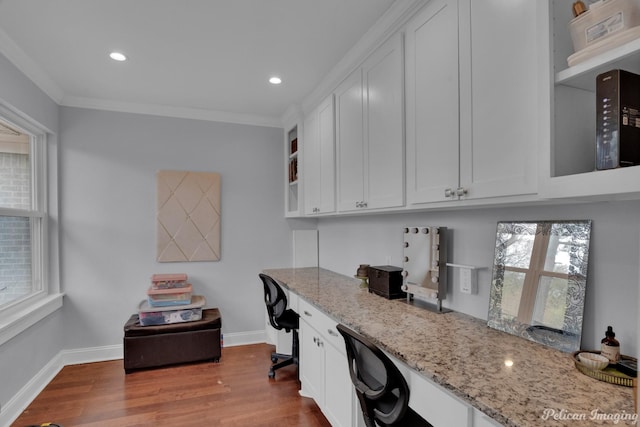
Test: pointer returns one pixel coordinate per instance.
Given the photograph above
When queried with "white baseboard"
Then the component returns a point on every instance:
(244, 338)
(30, 391)
(91, 354)
(21, 400)
(18, 403)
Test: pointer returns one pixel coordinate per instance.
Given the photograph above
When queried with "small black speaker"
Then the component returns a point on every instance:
(617, 119)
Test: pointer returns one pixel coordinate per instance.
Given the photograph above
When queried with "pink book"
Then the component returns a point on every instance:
(176, 277)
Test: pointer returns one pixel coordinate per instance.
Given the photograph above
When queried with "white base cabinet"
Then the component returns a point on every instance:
(324, 376)
(324, 372)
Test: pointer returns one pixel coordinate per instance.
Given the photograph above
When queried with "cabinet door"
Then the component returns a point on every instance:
(319, 159)
(482, 420)
(311, 162)
(326, 157)
(339, 394)
(432, 102)
(384, 141)
(500, 108)
(350, 142)
(311, 366)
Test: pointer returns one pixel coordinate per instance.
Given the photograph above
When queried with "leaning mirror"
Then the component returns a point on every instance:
(539, 281)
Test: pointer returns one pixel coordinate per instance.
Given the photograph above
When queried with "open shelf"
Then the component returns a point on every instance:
(582, 75)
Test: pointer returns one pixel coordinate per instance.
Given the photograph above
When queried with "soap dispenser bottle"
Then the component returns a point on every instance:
(610, 346)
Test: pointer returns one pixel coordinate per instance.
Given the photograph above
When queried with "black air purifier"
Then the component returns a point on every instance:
(617, 119)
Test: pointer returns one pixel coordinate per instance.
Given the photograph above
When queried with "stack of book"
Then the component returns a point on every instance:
(170, 300)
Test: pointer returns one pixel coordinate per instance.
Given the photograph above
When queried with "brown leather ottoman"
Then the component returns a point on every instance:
(153, 346)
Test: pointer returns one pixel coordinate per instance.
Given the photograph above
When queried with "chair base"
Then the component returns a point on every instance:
(285, 359)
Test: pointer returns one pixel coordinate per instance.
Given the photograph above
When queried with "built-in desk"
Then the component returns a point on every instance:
(460, 355)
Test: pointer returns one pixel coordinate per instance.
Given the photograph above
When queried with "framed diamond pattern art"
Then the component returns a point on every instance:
(188, 216)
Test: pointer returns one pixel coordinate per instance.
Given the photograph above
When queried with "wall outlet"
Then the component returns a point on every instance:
(467, 281)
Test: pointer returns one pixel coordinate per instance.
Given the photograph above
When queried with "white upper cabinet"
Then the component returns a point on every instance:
(319, 160)
(568, 160)
(494, 114)
(432, 102)
(472, 101)
(369, 132)
(500, 106)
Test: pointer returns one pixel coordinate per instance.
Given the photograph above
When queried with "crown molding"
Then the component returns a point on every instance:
(388, 24)
(397, 15)
(33, 72)
(29, 68)
(170, 111)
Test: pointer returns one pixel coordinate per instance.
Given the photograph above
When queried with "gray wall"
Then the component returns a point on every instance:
(108, 205)
(612, 285)
(22, 357)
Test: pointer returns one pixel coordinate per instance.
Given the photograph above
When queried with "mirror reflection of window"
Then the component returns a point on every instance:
(551, 302)
(539, 279)
(512, 292)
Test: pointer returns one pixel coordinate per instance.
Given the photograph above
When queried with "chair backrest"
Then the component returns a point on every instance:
(380, 386)
(275, 299)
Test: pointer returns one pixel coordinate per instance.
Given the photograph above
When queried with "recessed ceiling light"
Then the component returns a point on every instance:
(117, 56)
(275, 80)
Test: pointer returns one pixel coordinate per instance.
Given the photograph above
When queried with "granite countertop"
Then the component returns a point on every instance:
(463, 355)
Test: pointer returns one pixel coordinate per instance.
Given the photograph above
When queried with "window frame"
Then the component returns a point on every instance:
(45, 297)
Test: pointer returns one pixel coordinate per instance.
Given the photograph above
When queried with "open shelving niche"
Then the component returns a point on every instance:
(292, 201)
(573, 117)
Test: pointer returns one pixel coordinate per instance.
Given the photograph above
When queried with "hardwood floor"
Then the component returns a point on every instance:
(234, 392)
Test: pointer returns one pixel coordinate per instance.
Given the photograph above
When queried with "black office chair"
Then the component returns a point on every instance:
(381, 389)
(280, 317)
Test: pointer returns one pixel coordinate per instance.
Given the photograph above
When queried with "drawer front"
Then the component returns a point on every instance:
(436, 405)
(322, 323)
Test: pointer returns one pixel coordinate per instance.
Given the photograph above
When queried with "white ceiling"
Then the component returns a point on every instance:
(207, 58)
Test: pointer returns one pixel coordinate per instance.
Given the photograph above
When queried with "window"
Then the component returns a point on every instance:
(28, 286)
(17, 221)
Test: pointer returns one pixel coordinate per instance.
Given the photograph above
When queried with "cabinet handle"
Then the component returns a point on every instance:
(363, 205)
(461, 191)
(358, 205)
(448, 192)
(332, 332)
(306, 313)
